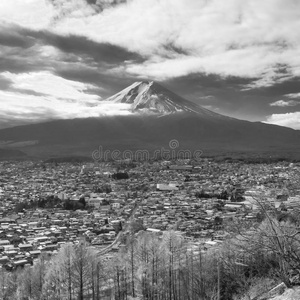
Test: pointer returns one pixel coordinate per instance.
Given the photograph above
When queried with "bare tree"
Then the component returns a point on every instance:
(59, 281)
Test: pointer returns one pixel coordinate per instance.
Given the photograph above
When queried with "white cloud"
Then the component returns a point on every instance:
(53, 86)
(284, 103)
(35, 14)
(293, 95)
(59, 98)
(224, 64)
(21, 108)
(288, 120)
(238, 38)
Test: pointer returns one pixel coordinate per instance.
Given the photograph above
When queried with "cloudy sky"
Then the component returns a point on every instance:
(61, 59)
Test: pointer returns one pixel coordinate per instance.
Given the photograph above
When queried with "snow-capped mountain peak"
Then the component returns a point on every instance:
(150, 97)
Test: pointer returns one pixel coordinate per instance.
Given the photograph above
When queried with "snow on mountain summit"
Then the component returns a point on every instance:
(150, 97)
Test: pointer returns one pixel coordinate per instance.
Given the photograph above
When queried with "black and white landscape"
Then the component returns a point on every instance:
(149, 149)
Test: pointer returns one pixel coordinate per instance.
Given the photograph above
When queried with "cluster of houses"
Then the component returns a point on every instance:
(194, 199)
(26, 236)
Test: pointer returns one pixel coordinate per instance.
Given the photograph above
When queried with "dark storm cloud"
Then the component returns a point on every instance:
(19, 52)
(78, 59)
(81, 46)
(20, 64)
(14, 39)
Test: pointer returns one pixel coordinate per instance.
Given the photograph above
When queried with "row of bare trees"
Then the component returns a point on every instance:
(75, 273)
(23, 284)
(166, 267)
(149, 267)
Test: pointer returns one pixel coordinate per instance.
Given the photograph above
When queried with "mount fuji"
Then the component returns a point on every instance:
(150, 97)
(155, 116)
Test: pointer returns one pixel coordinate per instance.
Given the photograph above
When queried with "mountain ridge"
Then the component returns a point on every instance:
(158, 117)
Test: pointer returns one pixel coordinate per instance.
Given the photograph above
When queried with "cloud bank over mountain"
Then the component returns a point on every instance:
(237, 57)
